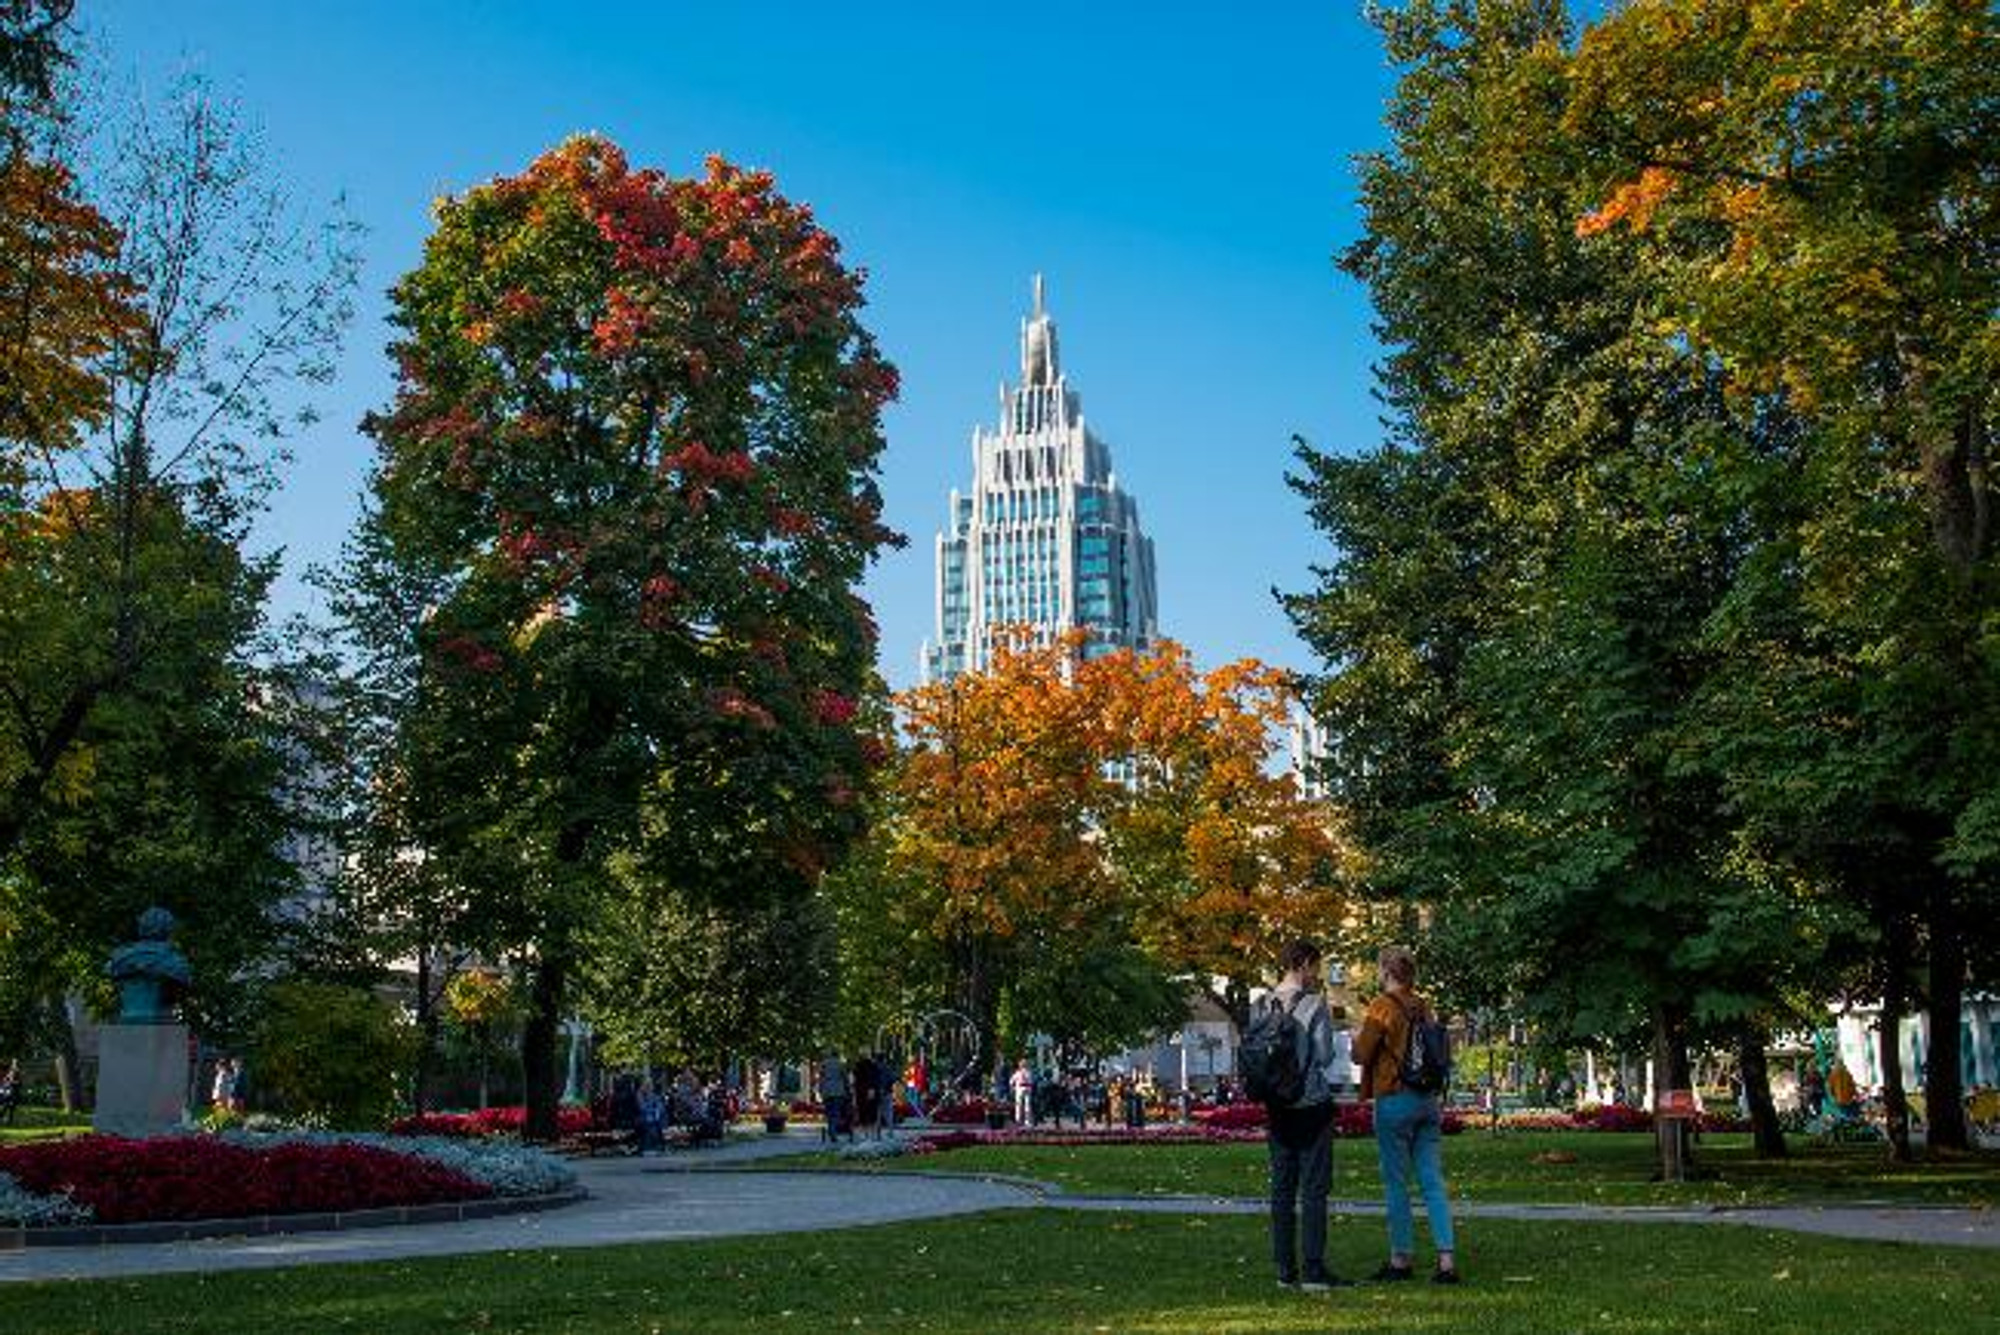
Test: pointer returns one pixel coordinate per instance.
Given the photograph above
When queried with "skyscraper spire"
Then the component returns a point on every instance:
(1038, 344)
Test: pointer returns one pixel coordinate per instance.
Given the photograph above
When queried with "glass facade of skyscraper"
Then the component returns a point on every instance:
(1047, 541)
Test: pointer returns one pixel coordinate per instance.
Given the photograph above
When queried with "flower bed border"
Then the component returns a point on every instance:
(14, 1238)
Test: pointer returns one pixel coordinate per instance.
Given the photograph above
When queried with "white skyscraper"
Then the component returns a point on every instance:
(1047, 540)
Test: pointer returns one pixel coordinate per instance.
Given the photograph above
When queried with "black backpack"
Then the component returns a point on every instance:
(1426, 1053)
(1270, 1054)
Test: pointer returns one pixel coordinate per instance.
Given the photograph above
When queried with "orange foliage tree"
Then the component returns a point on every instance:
(66, 308)
(1222, 856)
(1062, 827)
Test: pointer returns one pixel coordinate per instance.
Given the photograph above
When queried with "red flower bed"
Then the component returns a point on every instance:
(199, 1177)
(490, 1122)
(1614, 1117)
(1234, 1117)
(1350, 1120)
(971, 1112)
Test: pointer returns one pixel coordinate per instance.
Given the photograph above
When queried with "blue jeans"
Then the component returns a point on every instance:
(1408, 1132)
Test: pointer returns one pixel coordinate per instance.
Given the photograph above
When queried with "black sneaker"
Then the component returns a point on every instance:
(1393, 1274)
(1319, 1281)
(1287, 1281)
(1445, 1276)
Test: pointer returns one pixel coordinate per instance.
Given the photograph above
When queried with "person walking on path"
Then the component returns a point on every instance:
(1409, 1128)
(1300, 1133)
(834, 1096)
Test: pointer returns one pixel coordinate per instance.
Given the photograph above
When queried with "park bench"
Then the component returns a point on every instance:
(590, 1144)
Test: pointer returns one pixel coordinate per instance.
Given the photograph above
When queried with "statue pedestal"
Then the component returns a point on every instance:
(142, 1079)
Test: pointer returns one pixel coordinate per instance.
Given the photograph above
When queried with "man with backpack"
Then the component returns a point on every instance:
(1284, 1058)
(1405, 1061)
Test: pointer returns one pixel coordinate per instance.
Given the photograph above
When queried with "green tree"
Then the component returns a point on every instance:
(139, 444)
(1823, 177)
(677, 980)
(1514, 620)
(635, 432)
(330, 1052)
(31, 46)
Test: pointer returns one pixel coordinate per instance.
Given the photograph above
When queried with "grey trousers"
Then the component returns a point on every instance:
(1301, 1144)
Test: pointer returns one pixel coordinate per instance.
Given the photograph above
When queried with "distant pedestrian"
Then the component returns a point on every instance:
(834, 1094)
(1409, 1126)
(1023, 1086)
(625, 1110)
(10, 1091)
(1812, 1091)
(652, 1119)
(222, 1089)
(867, 1080)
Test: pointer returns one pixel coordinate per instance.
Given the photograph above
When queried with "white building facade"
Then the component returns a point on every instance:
(1047, 540)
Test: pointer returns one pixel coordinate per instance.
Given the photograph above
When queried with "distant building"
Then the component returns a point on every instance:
(1306, 747)
(1047, 540)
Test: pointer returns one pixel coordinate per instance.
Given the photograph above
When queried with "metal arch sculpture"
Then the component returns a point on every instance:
(946, 1041)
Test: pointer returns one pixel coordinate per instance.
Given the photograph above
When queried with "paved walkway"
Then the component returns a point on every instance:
(694, 1195)
(1920, 1224)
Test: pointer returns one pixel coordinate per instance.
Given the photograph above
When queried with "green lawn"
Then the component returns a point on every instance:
(1609, 1169)
(40, 1124)
(1056, 1271)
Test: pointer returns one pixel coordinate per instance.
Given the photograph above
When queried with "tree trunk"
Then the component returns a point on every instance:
(1235, 1002)
(538, 1047)
(427, 1033)
(977, 994)
(1943, 1091)
(1671, 1071)
(1955, 476)
(69, 1067)
(1895, 1001)
(1756, 1073)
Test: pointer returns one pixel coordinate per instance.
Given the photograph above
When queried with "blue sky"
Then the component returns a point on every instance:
(1179, 171)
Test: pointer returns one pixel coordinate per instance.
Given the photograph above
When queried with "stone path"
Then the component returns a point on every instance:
(1931, 1226)
(694, 1195)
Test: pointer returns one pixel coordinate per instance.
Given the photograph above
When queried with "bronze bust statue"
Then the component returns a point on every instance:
(150, 972)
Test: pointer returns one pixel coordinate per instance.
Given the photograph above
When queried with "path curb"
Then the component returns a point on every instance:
(14, 1239)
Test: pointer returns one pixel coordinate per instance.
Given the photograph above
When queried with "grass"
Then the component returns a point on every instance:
(32, 1123)
(1607, 1169)
(1029, 1271)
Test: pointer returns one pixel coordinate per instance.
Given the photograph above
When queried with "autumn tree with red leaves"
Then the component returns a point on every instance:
(632, 450)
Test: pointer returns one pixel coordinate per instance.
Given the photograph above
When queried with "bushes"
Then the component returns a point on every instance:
(205, 1177)
(332, 1053)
